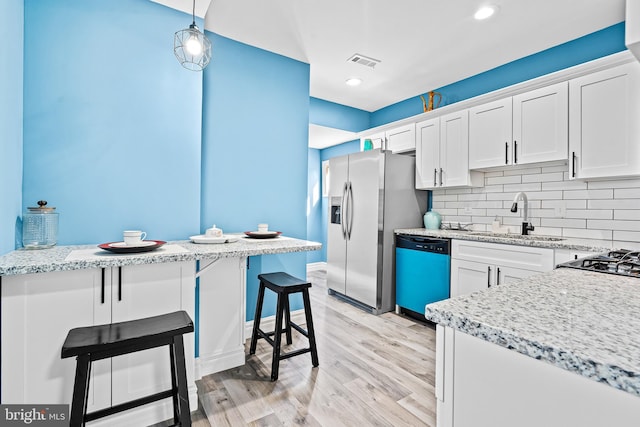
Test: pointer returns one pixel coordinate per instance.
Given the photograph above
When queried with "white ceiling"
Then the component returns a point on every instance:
(322, 137)
(423, 44)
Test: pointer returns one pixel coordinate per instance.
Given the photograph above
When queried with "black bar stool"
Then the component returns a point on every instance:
(283, 285)
(103, 341)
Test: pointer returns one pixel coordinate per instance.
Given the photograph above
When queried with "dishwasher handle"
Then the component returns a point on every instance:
(424, 244)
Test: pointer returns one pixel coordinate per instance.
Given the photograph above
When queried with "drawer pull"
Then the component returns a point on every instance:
(102, 288)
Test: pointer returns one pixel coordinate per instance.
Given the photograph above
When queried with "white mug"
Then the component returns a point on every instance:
(133, 237)
(263, 228)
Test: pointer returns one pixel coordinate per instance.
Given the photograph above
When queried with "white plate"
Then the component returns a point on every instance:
(142, 244)
(206, 239)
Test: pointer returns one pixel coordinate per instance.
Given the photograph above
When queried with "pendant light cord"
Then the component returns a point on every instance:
(194, 12)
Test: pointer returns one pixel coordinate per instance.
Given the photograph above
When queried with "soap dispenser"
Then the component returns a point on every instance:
(495, 225)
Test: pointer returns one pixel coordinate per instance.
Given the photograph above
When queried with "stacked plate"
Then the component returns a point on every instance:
(123, 248)
(225, 238)
(262, 234)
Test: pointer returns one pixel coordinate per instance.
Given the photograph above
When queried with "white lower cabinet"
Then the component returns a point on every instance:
(479, 384)
(478, 265)
(38, 310)
(471, 276)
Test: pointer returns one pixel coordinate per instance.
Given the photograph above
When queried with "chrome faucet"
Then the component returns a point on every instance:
(526, 226)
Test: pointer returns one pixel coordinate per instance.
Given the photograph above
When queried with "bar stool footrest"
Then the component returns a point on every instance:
(91, 416)
(299, 329)
(294, 353)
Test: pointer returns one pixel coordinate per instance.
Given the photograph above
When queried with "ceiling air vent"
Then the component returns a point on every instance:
(364, 60)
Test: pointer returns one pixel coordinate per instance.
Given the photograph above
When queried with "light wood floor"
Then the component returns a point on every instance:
(374, 371)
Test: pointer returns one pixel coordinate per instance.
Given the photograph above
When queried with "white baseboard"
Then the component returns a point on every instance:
(314, 266)
(219, 362)
(268, 324)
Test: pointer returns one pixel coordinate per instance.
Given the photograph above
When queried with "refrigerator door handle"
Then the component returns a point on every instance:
(343, 213)
(350, 228)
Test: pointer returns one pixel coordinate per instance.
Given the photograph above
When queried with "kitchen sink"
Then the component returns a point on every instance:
(517, 236)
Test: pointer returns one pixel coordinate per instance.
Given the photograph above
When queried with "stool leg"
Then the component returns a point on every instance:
(181, 374)
(310, 331)
(287, 318)
(174, 386)
(256, 319)
(80, 391)
(277, 339)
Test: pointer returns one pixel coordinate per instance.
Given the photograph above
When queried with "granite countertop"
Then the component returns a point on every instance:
(61, 258)
(533, 240)
(584, 322)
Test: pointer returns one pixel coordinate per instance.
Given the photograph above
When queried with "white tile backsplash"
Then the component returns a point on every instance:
(540, 177)
(601, 210)
(627, 214)
(589, 194)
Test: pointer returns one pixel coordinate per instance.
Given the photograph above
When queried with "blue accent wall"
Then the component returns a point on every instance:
(314, 204)
(11, 56)
(332, 115)
(592, 46)
(112, 122)
(254, 150)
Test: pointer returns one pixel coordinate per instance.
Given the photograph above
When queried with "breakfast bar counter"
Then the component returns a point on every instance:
(65, 258)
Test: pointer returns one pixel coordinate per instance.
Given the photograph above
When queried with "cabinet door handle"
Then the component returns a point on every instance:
(440, 177)
(573, 164)
(435, 177)
(488, 276)
(498, 277)
(515, 152)
(119, 283)
(506, 153)
(102, 288)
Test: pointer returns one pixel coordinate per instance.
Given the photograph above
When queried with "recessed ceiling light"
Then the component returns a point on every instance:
(353, 81)
(485, 12)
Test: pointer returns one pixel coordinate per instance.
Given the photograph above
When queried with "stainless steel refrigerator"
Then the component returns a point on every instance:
(371, 193)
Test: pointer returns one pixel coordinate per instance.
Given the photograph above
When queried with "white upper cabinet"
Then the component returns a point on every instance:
(427, 153)
(397, 140)
(528, 128)
(490, 134)
(442, 153)
(604, 120)
(541, 125)
(402, 139)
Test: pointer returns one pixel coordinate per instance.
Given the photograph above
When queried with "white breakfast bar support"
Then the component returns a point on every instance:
(222, 314)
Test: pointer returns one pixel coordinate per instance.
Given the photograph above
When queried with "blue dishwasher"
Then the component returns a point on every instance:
(422, 272)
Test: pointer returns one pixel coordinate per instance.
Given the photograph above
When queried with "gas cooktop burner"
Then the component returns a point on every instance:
(622, 262)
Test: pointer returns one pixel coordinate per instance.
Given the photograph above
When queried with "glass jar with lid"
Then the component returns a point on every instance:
(40, 227)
